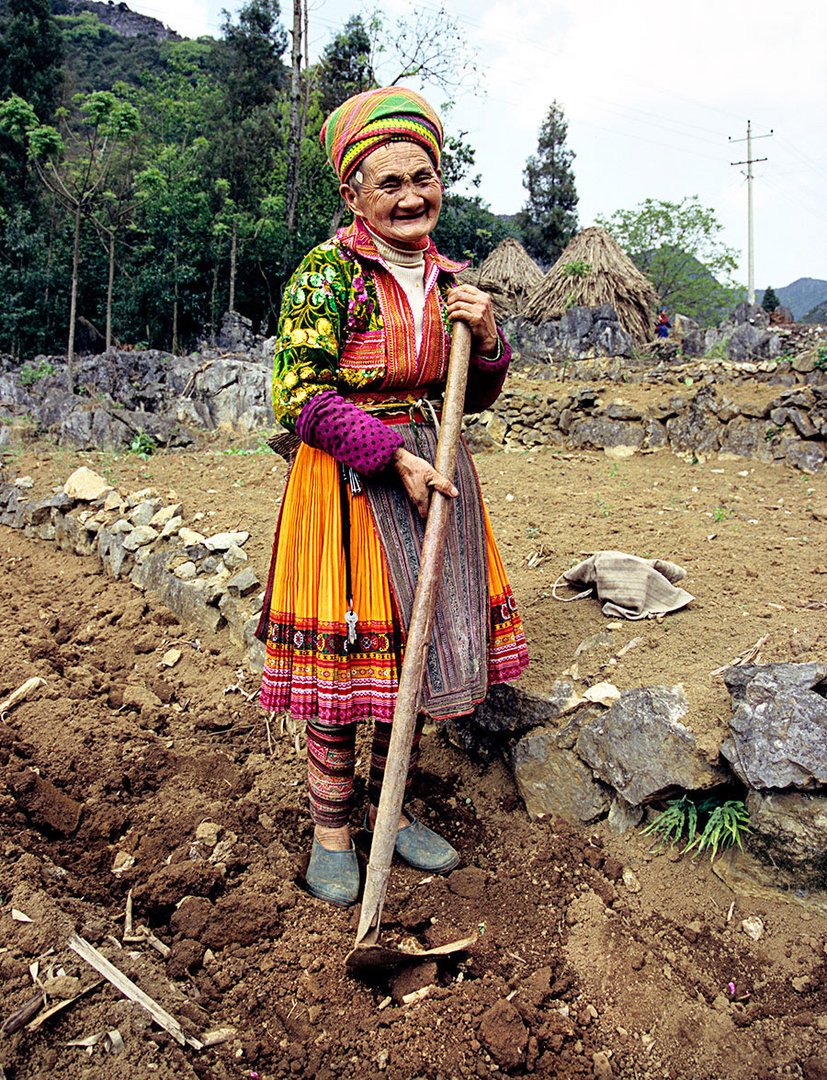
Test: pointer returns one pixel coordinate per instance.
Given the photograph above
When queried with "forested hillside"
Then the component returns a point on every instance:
(156, 174)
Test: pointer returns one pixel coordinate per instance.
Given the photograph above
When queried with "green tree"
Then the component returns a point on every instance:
(770, 301)
(98, 57)
(346, 65)
(248, 131)
(549, 218)
(31, 55)
(467, 229)
(250, 54)
(678, 245)
(171, 271)
(75, 169)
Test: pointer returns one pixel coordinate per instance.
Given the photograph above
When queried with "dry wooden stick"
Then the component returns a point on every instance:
(61, 1005)
(23, 691)
(142, 935)
(746, 657)
(416, 648)
(131, 990)
(24, 1014)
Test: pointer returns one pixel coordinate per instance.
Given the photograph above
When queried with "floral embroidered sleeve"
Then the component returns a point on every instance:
(309, 333)
(315, 317)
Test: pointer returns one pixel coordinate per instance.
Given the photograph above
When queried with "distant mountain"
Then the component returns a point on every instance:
(119, 17)
(817, 315)
(801, 296)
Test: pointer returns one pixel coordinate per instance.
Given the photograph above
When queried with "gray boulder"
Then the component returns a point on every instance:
(747, 438)
(509, 709)
(696, 429)
(749, 342)
(748, 314)
(236, 334)
(554, 780)
(236, 392)
(789, 832)
(786, 849)
(623, 816)
(779, 726)
(805, 455)
(76, 429)
(506, 711)
(600, 432)
(641, 748)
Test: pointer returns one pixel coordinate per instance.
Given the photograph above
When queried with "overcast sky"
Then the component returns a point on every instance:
(651, 91)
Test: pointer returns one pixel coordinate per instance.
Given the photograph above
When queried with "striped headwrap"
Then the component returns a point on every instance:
(369, 120)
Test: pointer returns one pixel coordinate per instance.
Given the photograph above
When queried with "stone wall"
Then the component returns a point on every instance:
(119, 395)
(748, 334)
(698, 420)
(701, 410)
(206, 581)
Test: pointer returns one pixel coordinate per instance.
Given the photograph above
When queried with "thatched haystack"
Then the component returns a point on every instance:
(508, 274)
(593, 270)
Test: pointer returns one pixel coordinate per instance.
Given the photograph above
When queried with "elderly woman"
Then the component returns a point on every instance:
(361, 358)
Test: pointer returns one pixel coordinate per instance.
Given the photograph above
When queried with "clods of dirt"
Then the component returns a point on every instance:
(128, 780)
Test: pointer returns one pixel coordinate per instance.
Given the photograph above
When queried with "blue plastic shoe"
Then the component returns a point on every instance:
(333, 875)
(422, 848)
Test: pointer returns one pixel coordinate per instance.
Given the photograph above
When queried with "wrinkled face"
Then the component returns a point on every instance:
(399, 194)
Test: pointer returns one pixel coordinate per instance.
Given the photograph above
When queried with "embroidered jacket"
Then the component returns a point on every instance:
(346, 326)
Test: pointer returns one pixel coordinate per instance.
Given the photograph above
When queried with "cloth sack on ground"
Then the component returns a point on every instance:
(631, 587)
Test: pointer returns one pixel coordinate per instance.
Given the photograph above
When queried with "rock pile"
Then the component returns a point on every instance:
(124, 400)
(582, 333)
(778, 748)
(749, 333)
(206, 581)
(582, 763)
(746, 335)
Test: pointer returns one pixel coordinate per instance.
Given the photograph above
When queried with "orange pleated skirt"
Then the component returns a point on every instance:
(308, 670)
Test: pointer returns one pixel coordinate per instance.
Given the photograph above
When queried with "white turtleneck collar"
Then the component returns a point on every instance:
(408, 268)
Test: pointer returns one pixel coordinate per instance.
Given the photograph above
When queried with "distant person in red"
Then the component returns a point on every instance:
(663, 325)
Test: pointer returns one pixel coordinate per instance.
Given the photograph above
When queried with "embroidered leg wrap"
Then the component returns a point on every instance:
(379, 757)
(331, 762)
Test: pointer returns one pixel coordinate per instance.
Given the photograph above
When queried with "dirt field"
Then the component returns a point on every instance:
(110, 771)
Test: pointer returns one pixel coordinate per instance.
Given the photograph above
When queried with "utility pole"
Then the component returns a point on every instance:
(750, 161)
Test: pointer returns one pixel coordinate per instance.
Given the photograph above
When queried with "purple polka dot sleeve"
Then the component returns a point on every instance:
(328, 422)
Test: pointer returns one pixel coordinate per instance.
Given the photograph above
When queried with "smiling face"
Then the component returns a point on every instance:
(399, 195)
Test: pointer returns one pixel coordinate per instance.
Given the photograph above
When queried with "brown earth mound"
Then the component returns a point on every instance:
(595, 958)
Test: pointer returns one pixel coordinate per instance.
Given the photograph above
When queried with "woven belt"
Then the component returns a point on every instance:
(399, 408)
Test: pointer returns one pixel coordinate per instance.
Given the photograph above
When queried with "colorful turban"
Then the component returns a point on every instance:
(374, 118)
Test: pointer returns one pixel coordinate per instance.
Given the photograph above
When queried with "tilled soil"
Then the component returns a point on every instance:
(595, 957)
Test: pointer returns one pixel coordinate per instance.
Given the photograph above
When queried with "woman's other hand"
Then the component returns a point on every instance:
(475, 307)
(420, 478)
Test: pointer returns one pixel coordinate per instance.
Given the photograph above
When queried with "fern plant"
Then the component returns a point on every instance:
(724, 824)
(680, 817)
(727, 823)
